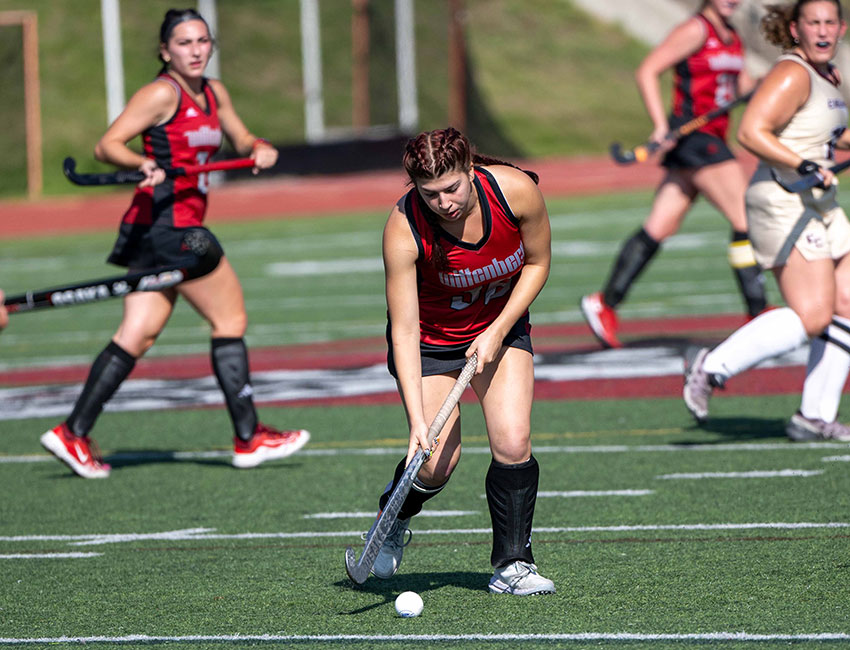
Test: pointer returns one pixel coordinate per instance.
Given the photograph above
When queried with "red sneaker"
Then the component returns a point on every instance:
(267, 444)
(80, 453)
(602, 320)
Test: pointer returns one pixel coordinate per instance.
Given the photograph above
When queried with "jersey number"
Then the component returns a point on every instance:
(203, 178)
(494, 290)
(725, 91)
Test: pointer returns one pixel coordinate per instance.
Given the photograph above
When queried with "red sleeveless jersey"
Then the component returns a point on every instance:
(190, 137)
(460, 302)
(708, 79)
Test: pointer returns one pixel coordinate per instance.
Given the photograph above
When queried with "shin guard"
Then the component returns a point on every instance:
(108, 371)
(416, 498)
(511, 495)
(635, 254)
(230, 364)
(748, 273)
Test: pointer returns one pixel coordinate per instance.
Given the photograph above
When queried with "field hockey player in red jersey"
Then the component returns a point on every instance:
(707, 58)
(466, 251)
(181, 116)
(794, 123)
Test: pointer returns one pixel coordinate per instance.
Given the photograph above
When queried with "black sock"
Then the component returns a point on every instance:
(511, 495)
(230, 364)
(109, 369)
(749, 276)
(417, 496)
(634, 255)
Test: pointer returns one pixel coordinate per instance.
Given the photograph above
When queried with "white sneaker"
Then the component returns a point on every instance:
(520, 579)
(802, 428)
(389, 557)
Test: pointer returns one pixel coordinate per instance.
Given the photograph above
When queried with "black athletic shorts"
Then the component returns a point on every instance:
(442, 359)
(697, 149)
(147, 247)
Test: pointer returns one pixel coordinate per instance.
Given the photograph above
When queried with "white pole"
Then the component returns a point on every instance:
(311, 65)
(113, 58)
(207, 9)
(405, 47)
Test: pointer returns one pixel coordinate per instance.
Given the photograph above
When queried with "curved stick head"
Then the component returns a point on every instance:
(69, 166)
(620, 156)
(354, 570)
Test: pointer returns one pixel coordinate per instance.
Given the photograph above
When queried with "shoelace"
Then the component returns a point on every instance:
(94, 450)
(526, 570)
(396, 536)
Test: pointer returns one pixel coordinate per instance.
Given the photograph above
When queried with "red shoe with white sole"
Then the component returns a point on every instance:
(602, 320)
(267, 444)
(80, 453)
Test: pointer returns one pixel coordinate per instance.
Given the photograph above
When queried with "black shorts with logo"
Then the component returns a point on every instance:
(147, 247)
(442, 359)
(697, 149)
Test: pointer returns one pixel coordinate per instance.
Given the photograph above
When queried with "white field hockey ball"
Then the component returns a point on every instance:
(408, 604)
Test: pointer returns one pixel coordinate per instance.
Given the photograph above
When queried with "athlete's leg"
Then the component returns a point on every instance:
(724, 185)
(672, 201)
(506, 392)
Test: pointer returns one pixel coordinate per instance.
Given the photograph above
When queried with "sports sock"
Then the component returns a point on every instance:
(633, 258)
(230, 364)
(416, 498)
(826, 374)
(511, 494)
(109, 369)
(773, 333)
(747, 272)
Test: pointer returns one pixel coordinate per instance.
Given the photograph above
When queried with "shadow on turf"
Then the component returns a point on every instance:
(741, 428)
(421, 583)
(133, 457)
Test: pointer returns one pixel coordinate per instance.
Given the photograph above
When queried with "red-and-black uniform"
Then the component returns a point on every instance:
(705, 80)
(152, 229)
(458, 303)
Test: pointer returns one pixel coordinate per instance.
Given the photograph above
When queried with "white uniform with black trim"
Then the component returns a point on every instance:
(772, 213)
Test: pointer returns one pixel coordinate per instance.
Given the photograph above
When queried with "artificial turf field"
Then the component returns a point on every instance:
(657, 533)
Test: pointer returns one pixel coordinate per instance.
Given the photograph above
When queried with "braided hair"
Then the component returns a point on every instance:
(776, 23)
(434, 153)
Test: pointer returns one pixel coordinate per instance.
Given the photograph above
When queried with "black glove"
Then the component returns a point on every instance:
(808, 167)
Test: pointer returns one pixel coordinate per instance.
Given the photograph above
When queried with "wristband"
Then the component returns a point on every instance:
(260, 141)
(807, 167)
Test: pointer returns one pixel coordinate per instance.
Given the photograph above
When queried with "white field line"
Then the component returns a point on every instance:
(48, 556)
(371, 515)
(198, 534)
(596, 493)
(781, 473)
(836, 459)
(538, 449)
(626, 637)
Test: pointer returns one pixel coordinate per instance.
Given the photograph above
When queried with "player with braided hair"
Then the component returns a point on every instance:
(466, 251)
(181, 117)
(707, 59)
(794, 123)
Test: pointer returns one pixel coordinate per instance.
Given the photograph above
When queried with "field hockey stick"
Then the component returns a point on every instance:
(205, 256)
(808, 181)
(358, 571)
(645, 150)
(134, 175)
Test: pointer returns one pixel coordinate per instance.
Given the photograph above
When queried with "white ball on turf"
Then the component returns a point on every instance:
(408, 604)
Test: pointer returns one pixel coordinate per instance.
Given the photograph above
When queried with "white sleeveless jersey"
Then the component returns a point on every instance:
(817, 124)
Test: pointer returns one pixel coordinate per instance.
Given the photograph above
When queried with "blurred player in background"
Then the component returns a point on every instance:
(181, 116)
(466, 251)
(4, 313)
(794, 122)
(707, 58)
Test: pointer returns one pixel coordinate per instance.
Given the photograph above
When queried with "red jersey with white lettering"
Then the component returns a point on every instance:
(190, 137)
(708, 78)
(458, 303)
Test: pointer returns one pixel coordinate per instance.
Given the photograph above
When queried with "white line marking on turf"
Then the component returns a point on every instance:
(49, 556)
(196, 534)
(371, 515)
(538, 449)
(781, 473)
(836, 459)
(597, 493)
(580, 636)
